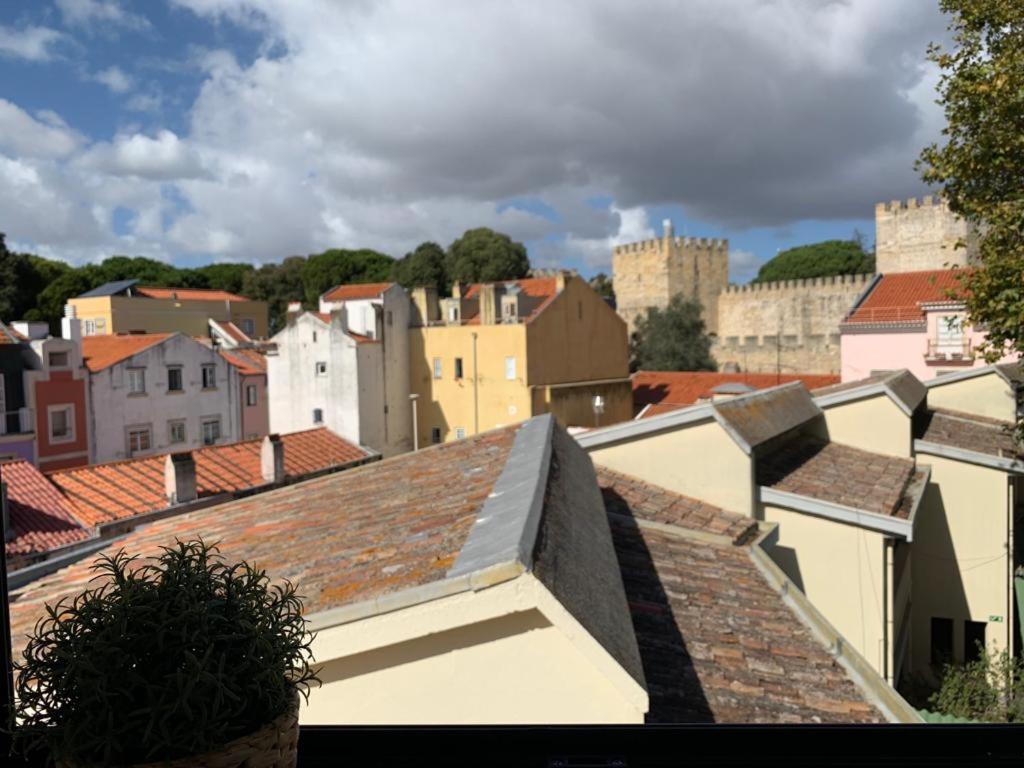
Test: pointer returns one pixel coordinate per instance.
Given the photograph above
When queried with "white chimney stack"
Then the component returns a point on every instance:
(70, 325)
(180, 478)
(272, 459)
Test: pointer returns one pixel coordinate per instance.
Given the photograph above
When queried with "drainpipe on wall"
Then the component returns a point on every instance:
(476, 399)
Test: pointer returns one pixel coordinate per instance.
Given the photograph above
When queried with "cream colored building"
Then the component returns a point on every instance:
(127, 307)
(500, 353)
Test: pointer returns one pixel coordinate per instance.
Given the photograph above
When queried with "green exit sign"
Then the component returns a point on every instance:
(998, 619)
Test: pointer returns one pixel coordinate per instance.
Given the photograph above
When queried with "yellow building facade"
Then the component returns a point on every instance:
(500, 353)
(120, 308)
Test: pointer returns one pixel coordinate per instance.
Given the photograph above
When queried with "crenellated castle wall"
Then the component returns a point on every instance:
(790, 326)
(919, 234)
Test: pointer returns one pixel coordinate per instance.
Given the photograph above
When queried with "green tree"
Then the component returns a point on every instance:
(981, 162)
(337, 266)
(50, 302)
(483, 255)
(224, 277)
(276, 284)
(672, 339)
(831, 257)
(602, 285)
(146, 271)
(423, 266)
(16, 297)
(990, 688)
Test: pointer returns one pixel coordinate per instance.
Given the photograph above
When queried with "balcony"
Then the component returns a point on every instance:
(947, 352)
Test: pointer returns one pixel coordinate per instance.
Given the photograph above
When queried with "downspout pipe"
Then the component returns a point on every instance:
(476, 398)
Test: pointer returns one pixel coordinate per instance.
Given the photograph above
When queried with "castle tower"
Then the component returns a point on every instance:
(650, 272)
(919, 234)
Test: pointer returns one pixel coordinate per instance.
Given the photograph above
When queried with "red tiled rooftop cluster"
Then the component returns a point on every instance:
(897, 298)
(666, 391)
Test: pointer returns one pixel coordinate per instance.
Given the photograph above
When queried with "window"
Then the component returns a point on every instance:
(579, 310)
(321, 369)
(437, 367)
(136, 381)
(510, 368)
(247, 326)
(435, 435)
(209, 377)
(176, 431)
(453, 314)
(139, 439)
(314, 337)
(390, 318)
(174, 379)
(974, 639)
(318, 416)
(458, 367)
(62, 423)
(90, 327)
(250, 394)
(460, 432)
(211, 431)
(942, 641)
(58, 359)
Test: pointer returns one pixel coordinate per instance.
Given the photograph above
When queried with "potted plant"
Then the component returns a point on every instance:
(178, 660)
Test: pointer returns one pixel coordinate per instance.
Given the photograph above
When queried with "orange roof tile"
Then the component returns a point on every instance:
(187, 294)
(897, 298)
(538, 292)
(99, 352)
(249, 362)
(666, 391)
(41, 518)
(120, 489)
(356, 291)
(346, 537)
(10, 336)
(234, 332)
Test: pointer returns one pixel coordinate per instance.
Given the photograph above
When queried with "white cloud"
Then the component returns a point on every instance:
(115, 79)
(161, 158)
(100, 14)
(30, 43)
(743, 265)
(144, 102)
(24, 136)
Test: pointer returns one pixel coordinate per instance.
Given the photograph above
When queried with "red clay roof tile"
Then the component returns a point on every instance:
(667, 391)
(41, 518)
(187, 294)
(537, 293)
(897, 298)
(249, 362)
(356, 292)
(99, 352)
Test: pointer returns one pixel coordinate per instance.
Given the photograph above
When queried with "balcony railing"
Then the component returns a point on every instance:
(947, 351)
(16, 421)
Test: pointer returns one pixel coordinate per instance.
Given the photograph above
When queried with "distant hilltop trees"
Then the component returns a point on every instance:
(831, 257)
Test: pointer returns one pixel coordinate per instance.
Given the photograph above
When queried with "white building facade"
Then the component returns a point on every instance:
(346, 368)
(173, 395)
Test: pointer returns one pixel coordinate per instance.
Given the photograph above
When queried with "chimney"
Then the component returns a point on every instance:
(8, 528)
(339, 317)
(70, 325)
(426, 309)
(292, 312)
(457, 290)
(488, 298)
(180, 478)
(272, 459)
(560, 281)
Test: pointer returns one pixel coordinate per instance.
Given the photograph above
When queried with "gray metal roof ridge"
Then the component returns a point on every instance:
(506, 525)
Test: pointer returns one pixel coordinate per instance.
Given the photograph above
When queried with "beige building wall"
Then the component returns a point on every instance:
(509, 653)
(448, 403)
(700, 461)
(916, 235)
(872, 424)
(988, 395)
(791, 326)
(127, 314)
(842, 570)
(961, 566)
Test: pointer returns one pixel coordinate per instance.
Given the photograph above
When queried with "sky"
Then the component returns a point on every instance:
(198, 131)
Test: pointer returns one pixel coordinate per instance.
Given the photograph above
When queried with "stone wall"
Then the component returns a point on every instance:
(650, 272)
(915, 235)
(791, 326)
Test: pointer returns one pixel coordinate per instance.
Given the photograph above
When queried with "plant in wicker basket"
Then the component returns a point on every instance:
(165, 659)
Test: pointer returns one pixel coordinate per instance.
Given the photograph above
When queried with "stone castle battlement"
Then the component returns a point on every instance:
(679, 242)
(911, 203)
(801, 284)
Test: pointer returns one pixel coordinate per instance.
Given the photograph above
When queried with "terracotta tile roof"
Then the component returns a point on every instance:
(249, 362)
(341, 539)
(187, 294)
(41, 518)
(234, 332)
(116, 490)
(537, 293)
(325, 317)
(969, 432)
(839, 474)
(717, 643)
(626, 495)
(667, 391)
(10, 336)
(356, 292)
(897, 298)
(99, 352)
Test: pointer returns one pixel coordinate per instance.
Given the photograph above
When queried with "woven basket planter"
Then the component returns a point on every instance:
(275, 745)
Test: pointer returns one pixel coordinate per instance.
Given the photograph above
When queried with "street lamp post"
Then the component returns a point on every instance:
(415, 431)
